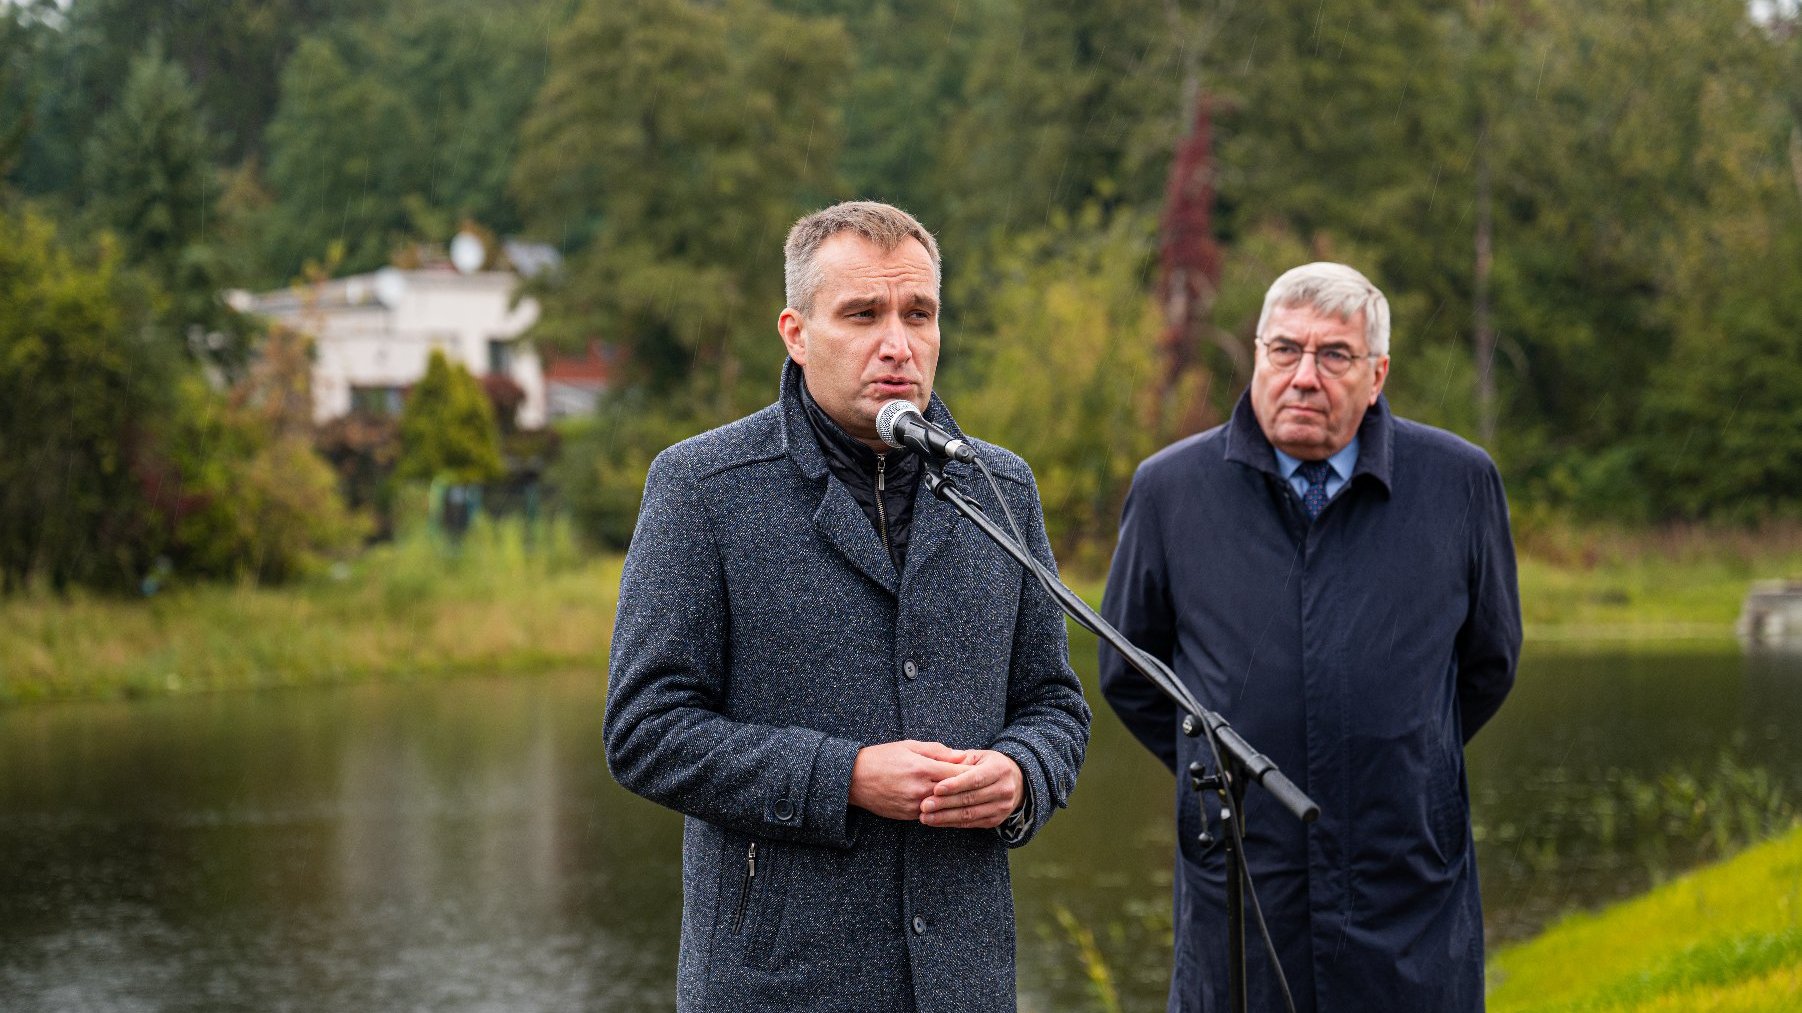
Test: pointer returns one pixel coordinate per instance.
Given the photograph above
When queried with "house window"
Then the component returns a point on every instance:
(500, 356)
(376, 400)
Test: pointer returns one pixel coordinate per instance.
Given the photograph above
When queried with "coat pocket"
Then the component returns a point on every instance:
(758, 905)
(1449, 818)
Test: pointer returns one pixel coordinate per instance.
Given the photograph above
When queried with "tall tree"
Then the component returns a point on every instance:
(1065, 104)
(26, 40)
(1076, 323)
(149, 166)
(1336, 138)
(1188, 279)
(1720, 429)
(84, 393)
(344, 146)
(152, 177)
(399, 127)
(911, 59)
(1602, 162)
(671, 147)
(233, 49)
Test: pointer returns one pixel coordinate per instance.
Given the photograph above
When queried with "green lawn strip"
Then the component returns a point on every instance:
(1706, 967)
(1674, 586)
(1712, 929)
(398, 612)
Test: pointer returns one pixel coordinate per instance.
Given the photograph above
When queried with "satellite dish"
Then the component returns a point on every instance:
(468, 253)
(390, 286)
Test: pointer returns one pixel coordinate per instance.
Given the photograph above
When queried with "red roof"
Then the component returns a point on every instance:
(591, 369)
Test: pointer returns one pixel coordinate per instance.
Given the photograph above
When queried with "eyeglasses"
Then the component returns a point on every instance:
(1330, 361)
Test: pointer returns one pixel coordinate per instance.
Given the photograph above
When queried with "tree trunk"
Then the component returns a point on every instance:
(1189, 270)
(1484, 326)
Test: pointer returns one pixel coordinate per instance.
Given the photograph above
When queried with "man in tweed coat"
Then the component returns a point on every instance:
(858, 702)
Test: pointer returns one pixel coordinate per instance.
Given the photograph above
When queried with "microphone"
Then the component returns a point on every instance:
(901, 426)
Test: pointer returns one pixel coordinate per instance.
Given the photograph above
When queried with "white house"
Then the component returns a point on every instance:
(375, 332)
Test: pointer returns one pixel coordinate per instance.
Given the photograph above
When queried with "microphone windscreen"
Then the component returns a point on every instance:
(886, 418)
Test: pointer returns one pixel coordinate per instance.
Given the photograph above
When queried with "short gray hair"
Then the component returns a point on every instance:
(1333, 289)
(882, 224)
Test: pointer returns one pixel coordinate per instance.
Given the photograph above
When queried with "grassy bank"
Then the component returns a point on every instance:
(1676, 587)
(1606, 589)
(414, 610)
(399, 611)
(1724, 938)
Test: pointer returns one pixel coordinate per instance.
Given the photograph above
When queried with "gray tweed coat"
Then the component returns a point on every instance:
(763, 637)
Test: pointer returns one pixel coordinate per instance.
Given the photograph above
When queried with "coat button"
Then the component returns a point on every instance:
(910, 670)
(783, 809)
(919, 925)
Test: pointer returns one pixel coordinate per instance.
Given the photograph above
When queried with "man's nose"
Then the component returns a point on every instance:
(1307, 372)
(894, 346)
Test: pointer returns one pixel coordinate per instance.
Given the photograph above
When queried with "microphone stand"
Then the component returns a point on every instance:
(1238, 762)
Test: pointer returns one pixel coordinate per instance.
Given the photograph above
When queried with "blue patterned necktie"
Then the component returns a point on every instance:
(1314, 500)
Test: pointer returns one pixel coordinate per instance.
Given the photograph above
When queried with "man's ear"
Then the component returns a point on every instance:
(793, 328)
(1382, 374)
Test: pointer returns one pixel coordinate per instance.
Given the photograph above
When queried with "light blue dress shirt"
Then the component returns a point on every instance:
(1341, 464)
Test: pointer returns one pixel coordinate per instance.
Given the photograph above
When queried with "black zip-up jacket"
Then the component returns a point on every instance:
(882, 484)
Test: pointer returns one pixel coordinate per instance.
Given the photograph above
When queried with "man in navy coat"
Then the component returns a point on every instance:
(1339, 584)
(858, 702)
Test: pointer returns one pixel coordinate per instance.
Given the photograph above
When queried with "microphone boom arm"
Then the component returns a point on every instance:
(1256, 765)
(1236, 762)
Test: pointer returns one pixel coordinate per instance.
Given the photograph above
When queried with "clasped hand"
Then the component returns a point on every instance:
(935, 784)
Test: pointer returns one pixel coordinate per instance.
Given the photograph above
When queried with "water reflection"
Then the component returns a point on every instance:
(1605, 775)
(445, 848)
(460, 847)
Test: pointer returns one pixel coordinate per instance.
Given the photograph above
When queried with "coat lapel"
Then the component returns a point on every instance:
(934, 522)
(841, 522)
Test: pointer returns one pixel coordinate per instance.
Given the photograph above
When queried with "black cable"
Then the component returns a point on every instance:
(1234, 825)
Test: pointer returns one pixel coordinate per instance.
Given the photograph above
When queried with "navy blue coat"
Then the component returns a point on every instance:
(763, 637)
(1360, 653)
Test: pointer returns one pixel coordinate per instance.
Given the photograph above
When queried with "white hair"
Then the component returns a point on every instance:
(1333, 289)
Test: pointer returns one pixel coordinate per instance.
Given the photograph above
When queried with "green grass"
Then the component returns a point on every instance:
(1674, 587)
(1727, 937)
(401, 611)
(411, 610)
(1609, 589)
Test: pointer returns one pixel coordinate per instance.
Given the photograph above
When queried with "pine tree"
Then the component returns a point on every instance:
(149, 165)
(447, 429)
(150, 169)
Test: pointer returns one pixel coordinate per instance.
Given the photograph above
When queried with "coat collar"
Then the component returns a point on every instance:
(797, 434)
(1247, 444)
(839, 520)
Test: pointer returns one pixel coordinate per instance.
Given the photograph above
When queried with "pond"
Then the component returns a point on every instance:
(460, 847)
